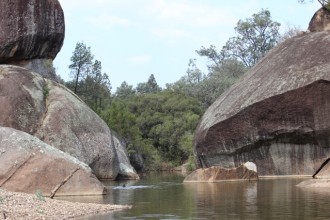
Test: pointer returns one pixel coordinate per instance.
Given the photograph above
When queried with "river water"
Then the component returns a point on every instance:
(164, 196)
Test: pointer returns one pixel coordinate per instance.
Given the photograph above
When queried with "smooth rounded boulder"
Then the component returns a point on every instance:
(247, 171)
(320, 21)
(32, 33)
(58, 117)
(29, 165)
(31, 29)
(277, 115)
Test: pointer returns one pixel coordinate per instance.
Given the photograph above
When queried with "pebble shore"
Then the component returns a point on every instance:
(33, 206)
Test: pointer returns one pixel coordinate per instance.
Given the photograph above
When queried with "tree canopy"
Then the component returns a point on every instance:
(81, 60)
(255, 37)
(124, 91)
(150, 86)
(89, 83)
(158, 125)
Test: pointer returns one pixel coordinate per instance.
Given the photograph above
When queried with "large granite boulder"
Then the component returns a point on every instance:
(27, 165)
(58, 117)
(320, 21)
(247, 171)
(32, 32)
(277, 115)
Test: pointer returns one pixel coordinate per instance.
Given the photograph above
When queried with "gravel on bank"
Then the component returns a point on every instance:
(34, 206)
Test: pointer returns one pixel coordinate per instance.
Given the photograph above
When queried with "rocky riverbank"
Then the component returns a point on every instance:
(28, 206)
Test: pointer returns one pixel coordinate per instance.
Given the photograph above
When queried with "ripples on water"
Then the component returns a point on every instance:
(166, 197)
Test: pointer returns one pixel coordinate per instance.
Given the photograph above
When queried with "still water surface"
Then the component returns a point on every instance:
(166, 197)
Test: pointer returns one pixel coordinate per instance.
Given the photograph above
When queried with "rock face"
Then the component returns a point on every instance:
(277, 115)
(321, 181)
(247, 171)
(320, 21)
(30, 30)
(324, 171)
(58, 117)
(126, 170)
(27, 164)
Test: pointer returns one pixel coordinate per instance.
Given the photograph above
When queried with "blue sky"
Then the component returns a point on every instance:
(136, 38)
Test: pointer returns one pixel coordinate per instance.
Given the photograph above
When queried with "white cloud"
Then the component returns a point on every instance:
(140, 59)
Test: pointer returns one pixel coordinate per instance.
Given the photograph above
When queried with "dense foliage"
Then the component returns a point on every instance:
(207, 88)
(158, 124)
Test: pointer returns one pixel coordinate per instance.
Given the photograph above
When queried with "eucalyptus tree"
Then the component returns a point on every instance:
(255, 36)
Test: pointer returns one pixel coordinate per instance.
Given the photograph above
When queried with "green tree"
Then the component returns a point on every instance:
(216, 57)
(89, 83)
(124, 91)
(207, 88)
(191, 84)
(220, 78)
(164, 118)
(255, 37)
(119, 118)
(96, 88)
(81, 61)
(150, 86)
(158, 126)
